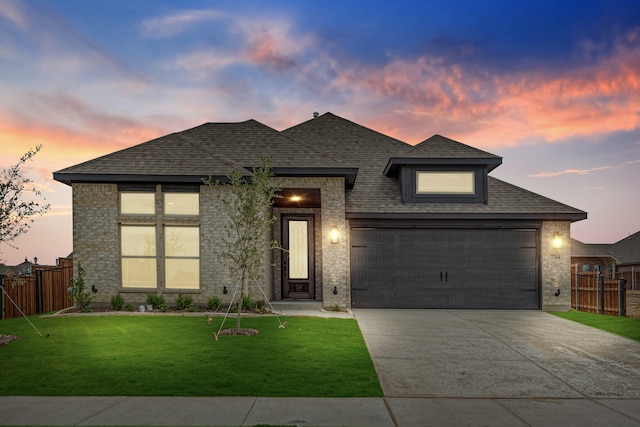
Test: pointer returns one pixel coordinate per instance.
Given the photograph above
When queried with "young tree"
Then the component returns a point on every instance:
(248, 210)
(17, 206)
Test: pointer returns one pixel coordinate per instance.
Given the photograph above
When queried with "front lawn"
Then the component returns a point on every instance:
(627, 327)
(177, 356)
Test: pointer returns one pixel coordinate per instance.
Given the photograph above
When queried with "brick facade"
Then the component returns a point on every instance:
(556, 266)
(633, 303)
(96, 238)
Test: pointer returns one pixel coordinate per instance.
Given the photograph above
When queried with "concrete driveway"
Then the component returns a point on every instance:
(516, 367)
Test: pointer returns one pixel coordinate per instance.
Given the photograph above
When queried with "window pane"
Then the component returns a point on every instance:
(182, 273)
(445, 182)
(182, 241)
(298, 250)
(138, 240)
(137, 203)
(139, 272)
(181, 203)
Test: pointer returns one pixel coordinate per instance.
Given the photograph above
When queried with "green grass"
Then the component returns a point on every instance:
(177, 356)
(627, 327)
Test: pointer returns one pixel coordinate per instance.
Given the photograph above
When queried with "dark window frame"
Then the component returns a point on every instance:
(408, 183)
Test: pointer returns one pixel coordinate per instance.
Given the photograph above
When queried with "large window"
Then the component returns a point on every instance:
(182, 257)
(445, 182)
(160, 243)
(138, 246)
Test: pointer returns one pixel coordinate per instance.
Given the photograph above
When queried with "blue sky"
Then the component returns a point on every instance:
(551, 86)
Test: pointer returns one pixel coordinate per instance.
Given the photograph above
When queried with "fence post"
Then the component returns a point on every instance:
(2, 298)
(39, 292)
(601, 294)
(576, 279)
(622, 301)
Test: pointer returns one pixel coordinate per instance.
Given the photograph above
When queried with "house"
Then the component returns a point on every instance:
(367, 220)
(616, 260)
(21, 269)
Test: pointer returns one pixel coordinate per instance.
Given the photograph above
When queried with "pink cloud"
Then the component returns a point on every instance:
(179, 22)
(12, 11)
(408, 97)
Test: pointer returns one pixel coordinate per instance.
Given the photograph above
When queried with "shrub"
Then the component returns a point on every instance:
(117, 302)
(259, 306)
(79, 294)
(156, 300)
(184, 302)
(128, 307)
(214, 303)
(335, 307)
(247, 303)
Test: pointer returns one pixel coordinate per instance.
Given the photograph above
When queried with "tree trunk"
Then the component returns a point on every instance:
(242, 278)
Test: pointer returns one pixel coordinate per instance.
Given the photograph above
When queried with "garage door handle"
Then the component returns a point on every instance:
(446, 276)
(441, 276)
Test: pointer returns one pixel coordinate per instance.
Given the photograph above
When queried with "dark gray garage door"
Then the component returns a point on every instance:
(444, 268)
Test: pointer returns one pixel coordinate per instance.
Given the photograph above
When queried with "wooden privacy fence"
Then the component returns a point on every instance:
(592, 293)
(45, 290)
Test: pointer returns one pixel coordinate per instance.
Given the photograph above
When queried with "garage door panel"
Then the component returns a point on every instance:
(445, 268)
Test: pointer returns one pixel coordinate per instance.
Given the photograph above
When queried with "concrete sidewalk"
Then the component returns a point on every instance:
(369, 412)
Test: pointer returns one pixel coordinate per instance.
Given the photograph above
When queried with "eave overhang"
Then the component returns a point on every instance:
(395, 163)
(573, 217)
(349, 174)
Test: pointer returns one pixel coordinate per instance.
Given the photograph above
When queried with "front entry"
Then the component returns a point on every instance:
(298, 261)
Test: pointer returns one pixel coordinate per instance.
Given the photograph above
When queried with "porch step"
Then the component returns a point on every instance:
(284, 306)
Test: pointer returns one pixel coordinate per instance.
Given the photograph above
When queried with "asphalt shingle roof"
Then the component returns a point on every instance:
(624, 251)
(328, 141)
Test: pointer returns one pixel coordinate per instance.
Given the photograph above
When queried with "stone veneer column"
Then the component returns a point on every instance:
(95, 237)
(556, 266)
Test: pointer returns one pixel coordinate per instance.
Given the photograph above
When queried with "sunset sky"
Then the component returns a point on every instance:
(551, 86)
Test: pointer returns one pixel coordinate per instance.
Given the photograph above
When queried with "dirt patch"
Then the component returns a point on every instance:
(6, 339)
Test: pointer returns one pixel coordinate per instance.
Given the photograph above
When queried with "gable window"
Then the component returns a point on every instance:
(445, 182)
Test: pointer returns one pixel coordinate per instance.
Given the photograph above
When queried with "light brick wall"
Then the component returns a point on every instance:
(556, 266)
(96, 240)
(633, 303)
(95, 237)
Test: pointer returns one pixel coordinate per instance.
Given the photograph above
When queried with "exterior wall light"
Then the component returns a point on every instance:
(225, 290)
(335, 290)
(557, 241)
(334, 235)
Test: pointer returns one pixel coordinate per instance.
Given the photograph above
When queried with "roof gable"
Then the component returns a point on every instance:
(438, 151)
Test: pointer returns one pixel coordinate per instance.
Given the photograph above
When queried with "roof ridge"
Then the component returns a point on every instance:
(329, 115)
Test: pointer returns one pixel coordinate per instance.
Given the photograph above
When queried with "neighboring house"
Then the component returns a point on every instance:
(18, 270)
(620, 259)
(368, 220)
